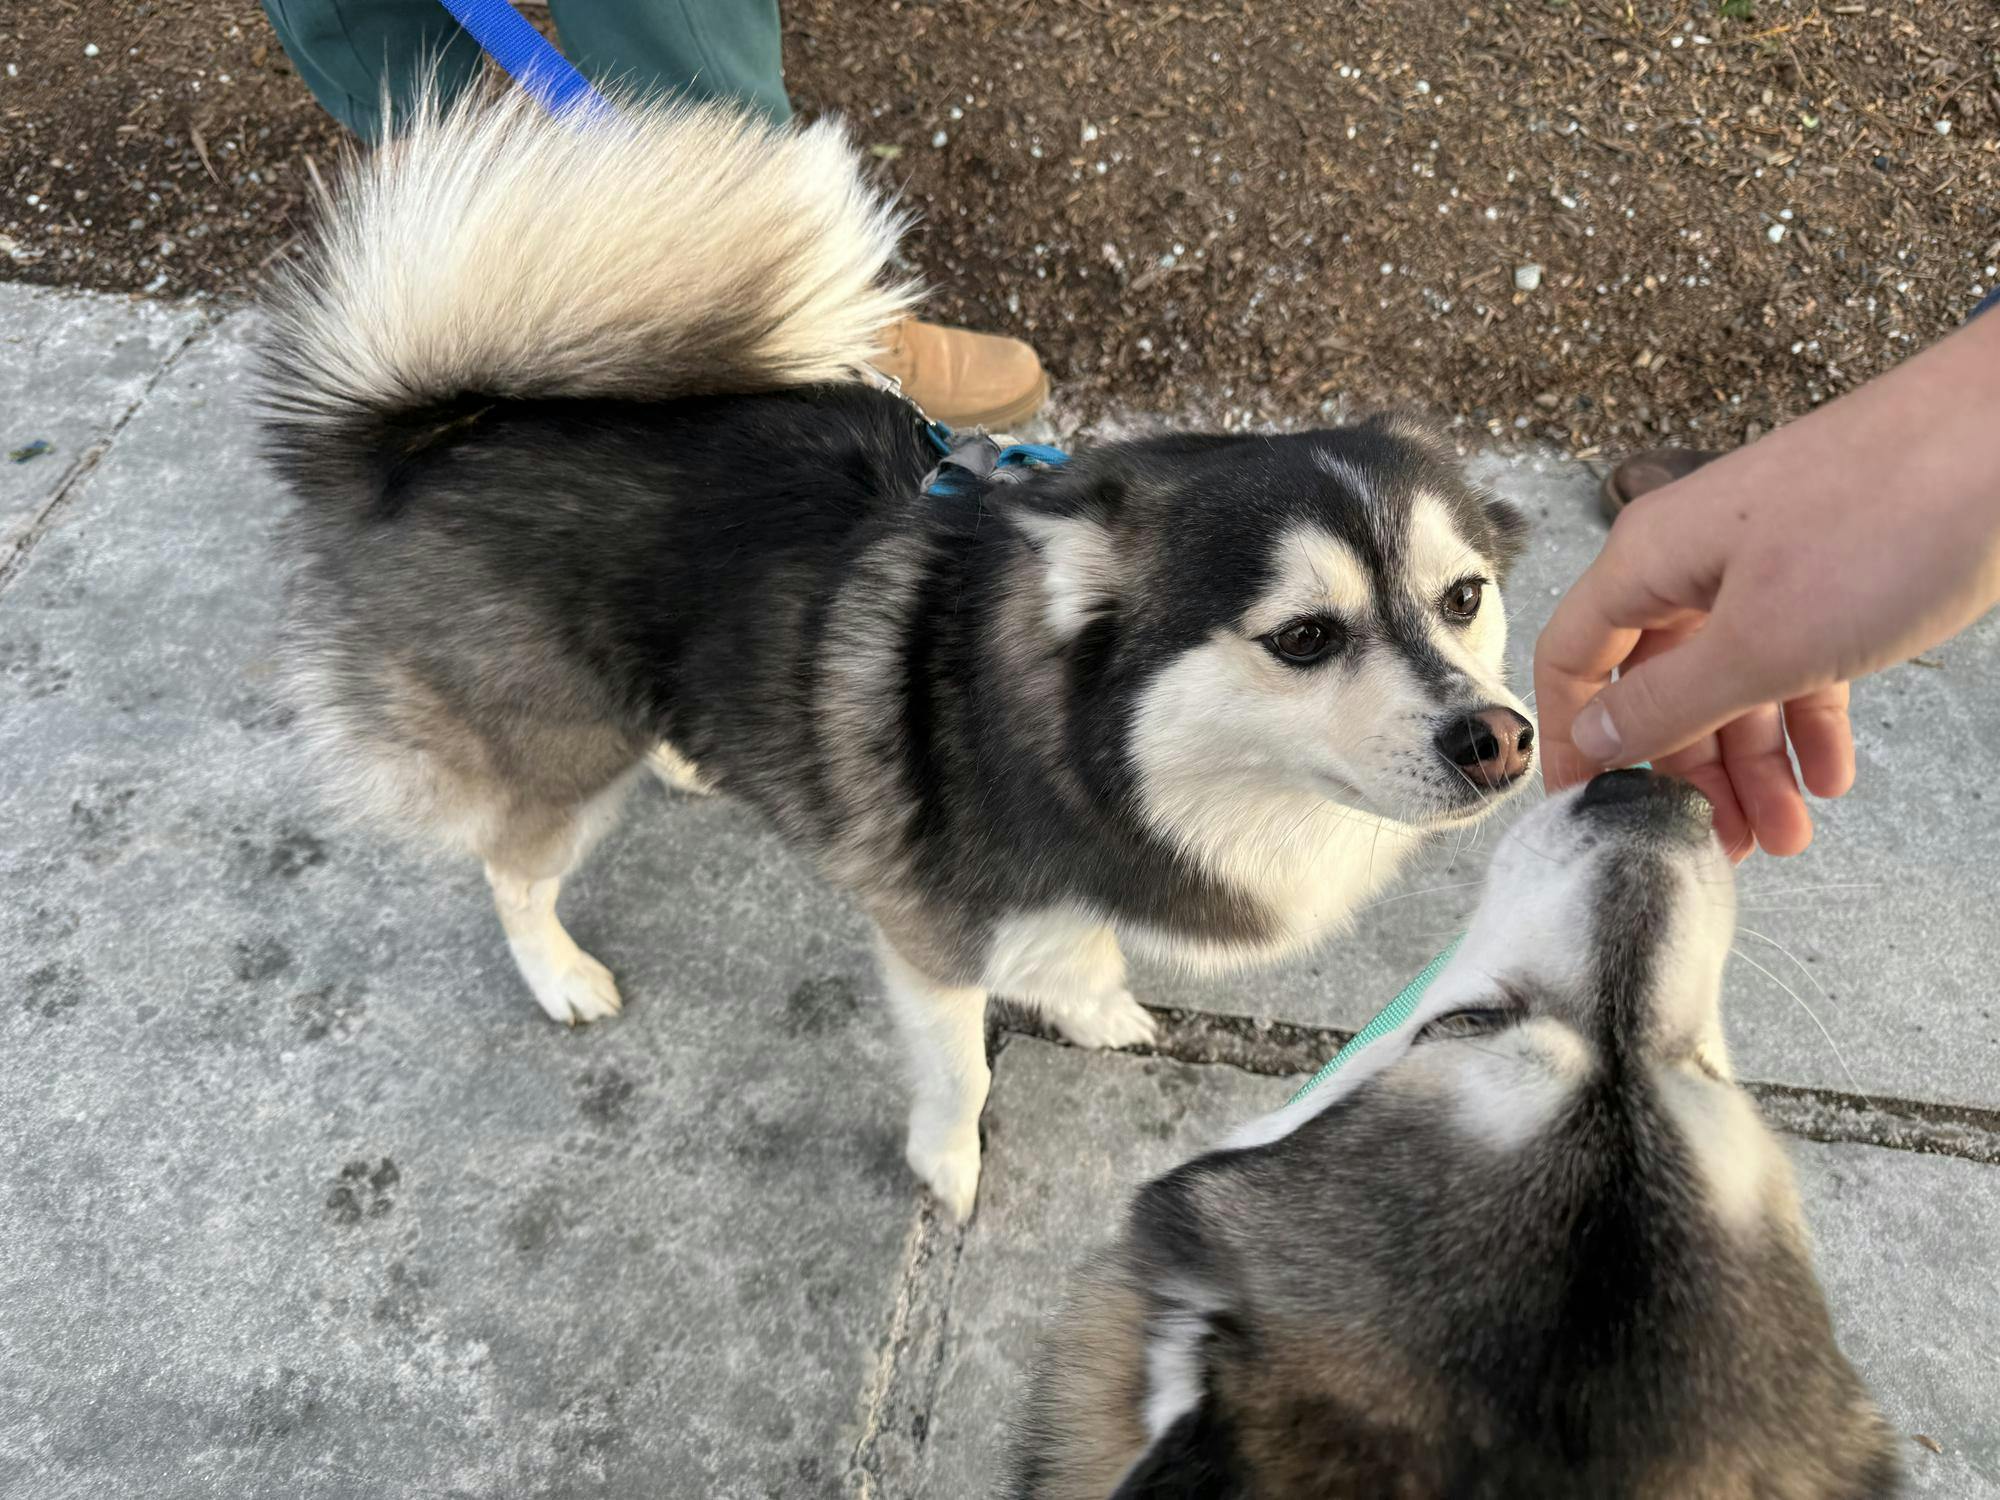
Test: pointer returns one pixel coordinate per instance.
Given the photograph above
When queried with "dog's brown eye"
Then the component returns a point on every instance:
(1301, 641)
(1462, 599)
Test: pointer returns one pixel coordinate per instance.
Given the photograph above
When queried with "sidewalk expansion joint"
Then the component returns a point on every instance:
(44, 519)
(1286, 1049)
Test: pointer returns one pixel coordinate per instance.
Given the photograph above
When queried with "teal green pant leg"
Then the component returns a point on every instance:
(704, 49)
(345, 50)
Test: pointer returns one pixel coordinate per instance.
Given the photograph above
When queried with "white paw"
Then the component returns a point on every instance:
(1115, 1021)
(676, 771)
(951, 1172)
(572, 987)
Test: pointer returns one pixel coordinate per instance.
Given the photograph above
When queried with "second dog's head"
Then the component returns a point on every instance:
(1532, 1241)
(1258, 621)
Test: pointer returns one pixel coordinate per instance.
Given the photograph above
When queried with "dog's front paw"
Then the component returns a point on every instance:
(1117, 1020)
(572, 987)
(950, 1171)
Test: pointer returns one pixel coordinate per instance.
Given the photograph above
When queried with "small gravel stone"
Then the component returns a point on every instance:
(1528, 277)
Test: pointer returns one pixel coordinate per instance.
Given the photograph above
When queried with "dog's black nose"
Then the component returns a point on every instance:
(1490, 746)
(1664, 802)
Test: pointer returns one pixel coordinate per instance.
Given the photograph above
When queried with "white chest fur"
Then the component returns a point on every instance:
(1308, 864)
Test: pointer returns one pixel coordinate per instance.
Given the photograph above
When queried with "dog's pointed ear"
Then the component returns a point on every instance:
(1072, 527)
(1506, 533)
(1506, 528)
(1419, 432)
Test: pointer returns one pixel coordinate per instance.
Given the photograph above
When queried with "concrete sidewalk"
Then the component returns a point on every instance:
(307, 1199)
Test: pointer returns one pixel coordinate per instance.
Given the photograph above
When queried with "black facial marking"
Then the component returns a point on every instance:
(1405, 627)
(1629, 923)
(1195, 1459)
(1506, 535)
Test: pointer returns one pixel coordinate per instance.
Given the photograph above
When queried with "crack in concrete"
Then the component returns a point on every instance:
(86, 462)
(1917, 1125)
(875, 1397)
(901, 1395)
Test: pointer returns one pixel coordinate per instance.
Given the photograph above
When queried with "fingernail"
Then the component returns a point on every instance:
(1595, 735)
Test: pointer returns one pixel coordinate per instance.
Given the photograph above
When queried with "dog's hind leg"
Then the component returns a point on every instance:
(944, 1030)
(527, 857)
(1070, 969)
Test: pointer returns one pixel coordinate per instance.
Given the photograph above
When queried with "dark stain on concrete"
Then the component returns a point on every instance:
(55, 922)
(330, 1010)
(588, 1427)
(605, 1094)
(54, 989)
(813, 1475)
(277, 1406)
(766, 1142)
(294, 852)
(362, 1192)
(817, 1007)
(401, 1305)
(535, 1225)
(258, 959)
(98, 819)
(22, 663)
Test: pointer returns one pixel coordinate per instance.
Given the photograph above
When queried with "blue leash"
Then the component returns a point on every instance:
(526, 56)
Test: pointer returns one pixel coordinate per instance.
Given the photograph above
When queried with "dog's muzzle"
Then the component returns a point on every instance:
(1663, 805)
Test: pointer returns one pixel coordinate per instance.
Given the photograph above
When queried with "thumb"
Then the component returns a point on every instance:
(1667, 701)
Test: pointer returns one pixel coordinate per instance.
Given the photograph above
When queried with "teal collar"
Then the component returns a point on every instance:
(1386, 1020)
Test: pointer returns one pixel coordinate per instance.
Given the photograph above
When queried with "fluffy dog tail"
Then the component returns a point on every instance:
(493, 250)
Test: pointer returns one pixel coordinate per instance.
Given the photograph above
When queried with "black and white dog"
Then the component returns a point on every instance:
(589, 480)
(1535, 1242)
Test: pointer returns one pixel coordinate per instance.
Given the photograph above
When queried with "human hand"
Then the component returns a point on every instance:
(1737, 604)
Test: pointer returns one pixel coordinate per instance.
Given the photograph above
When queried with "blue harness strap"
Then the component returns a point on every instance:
(970, 461)
(526, 56)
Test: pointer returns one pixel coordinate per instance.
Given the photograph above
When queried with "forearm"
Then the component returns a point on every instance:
(1921, 444)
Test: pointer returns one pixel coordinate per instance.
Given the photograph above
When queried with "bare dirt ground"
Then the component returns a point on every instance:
(1590, 221)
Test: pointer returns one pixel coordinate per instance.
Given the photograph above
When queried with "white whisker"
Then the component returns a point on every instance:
(1811, 890)
(1429, 890)
(1753, 932)
(1831, 1043)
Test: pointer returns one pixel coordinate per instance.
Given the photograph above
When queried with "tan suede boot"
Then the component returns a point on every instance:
(962, 378)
